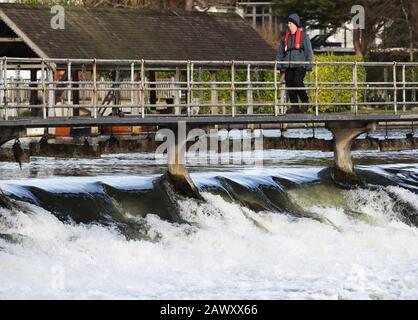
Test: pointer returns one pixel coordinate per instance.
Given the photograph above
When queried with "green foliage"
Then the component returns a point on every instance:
(265, 93)
(224, 96)
(334, 73)
(316, 13)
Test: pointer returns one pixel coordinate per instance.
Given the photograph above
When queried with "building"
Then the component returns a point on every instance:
(129, 34)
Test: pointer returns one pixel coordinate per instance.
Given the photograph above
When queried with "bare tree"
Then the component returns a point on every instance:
(408, 7)
(377, 14)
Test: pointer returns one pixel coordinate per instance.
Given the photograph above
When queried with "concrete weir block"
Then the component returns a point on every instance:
(177, 173)
(63, 150)
(344, 134)
(398, 144)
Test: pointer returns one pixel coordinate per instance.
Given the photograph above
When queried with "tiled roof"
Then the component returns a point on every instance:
(109, 33)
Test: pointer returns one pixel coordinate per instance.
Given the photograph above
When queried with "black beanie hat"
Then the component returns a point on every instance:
(294, 17)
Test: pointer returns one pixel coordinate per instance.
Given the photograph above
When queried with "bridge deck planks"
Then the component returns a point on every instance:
(203, 120)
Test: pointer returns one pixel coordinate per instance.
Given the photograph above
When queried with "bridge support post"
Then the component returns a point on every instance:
(176, 171)
(344, 134)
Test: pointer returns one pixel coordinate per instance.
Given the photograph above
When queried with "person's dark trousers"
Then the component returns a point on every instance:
(294, 78)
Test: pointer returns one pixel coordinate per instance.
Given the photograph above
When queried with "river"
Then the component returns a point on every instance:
(102, 229)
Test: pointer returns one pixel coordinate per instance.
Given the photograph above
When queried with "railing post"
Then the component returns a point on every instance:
(191, 89)
(142, 88)
(283, 101)
(316, 89)
(201, 97)
(276, 99)
(214, 92)
(2, 88)
(5, 88)
(51, 92)
(69, 93)
(365, 91)
(250, 109)
(413, 93)
(403, 91)
(385, 80)
(177, 97)
(17, 94)
(233, 88)
(43, 89)
(188, 89)
(395, 89)
(94, 88)
(355, 88)
(132, 87)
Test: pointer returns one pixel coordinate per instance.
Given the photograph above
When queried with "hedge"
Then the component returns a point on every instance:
(336, 73)
(325, 74)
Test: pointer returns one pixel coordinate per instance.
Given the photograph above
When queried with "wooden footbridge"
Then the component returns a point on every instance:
(200, 94)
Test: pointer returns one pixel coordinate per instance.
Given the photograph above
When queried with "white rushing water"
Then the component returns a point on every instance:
(361, 249)
(228, 252)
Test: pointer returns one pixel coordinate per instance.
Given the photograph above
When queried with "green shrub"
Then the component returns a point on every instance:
(224, 75)
(335, 73)
(325, 74)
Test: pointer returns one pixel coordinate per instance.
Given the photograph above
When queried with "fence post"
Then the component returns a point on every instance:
(214, 92)
(133, 111)
(395, 89)
(276, 100)
(69, 92)
(403, 91)
(188, 89)
(355, 88)
(365, 91)
(142, 88)
(233, 88)
(94, 88)
(201, 97)
(250, 109)
(191, 89)
(43, 89)
(51, 92)
(2, 87)
(18, 99)
(5, 87)
(413, 98)
(177, 97)
(385, 80)
(316, 89)
(283, 101)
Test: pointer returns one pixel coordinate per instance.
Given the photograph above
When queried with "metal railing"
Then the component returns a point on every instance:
(200, 87)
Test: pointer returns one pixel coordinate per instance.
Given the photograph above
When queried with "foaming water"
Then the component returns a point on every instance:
(103, 229)
(348, 244)
(226, 251)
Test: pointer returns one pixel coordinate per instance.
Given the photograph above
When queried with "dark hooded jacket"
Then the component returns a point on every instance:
(304, 54)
